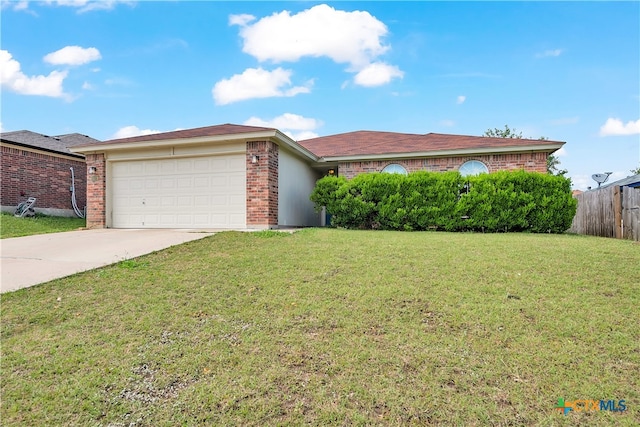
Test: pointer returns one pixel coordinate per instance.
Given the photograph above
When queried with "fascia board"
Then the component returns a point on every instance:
(272, 135)
(101, 148)
(35, 149)
(293, 145)
(445, 153)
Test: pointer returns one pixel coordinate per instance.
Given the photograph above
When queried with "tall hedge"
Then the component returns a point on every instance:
(502, 201)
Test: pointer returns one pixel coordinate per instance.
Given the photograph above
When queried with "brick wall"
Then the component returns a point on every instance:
(532, 162)
(262, 184)
(96, 196)
(46, 177)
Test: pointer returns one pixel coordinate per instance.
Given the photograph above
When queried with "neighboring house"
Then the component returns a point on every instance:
(233, 176)
(632, 181)
(36, 165)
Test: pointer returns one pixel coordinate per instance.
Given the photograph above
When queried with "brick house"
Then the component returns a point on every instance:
(235, 177)
(367, 151)
(36, 165)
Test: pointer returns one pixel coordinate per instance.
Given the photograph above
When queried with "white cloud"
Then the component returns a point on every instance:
(377, 74)
(286, 121)
(89, 5)
(582, 182)
(73, 55)
(289, 122)
(301, 136)
(17, 5)
(550, 53)
(1, 127)
(241, 20)
(447, 123)
(14, 79)
(257, 83)
(131, 131)
(562, 152)
(353, 38)
(295, 126)
(345, 37)
(87, 86)
(461, 99)
(616, 127)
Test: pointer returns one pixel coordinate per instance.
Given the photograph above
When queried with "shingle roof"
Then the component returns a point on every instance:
(379, 143)
(73, 139)
(226, 129)
(630, 181)
(57, 144)
(361, 143)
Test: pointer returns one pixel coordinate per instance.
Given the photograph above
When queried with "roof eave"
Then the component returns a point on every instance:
(295, 146)
(47, 150)
(272, 135)
(442, 153)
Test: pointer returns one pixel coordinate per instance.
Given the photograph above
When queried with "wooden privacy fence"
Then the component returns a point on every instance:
(609, 212)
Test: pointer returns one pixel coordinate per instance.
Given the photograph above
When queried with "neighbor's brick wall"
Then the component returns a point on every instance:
(532, 162)
(27, 173)
(96, 195)
(262, 184)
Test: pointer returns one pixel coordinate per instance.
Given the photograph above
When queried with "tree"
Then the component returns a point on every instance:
(636, 171)
(503, 133)
(552, 166)
(552, 161)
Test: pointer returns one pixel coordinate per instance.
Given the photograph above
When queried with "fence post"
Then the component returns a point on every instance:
(617, 211)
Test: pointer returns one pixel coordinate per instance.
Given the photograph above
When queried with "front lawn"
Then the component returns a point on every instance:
(10, 226)
(332, 327)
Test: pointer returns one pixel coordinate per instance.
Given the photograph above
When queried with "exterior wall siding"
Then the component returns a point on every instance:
(296, 182)
(532, 162)
(28, 173)
(262, 184)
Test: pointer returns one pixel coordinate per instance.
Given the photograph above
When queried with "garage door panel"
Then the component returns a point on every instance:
(236, 179)
(184, 165)
(237, 163)
(237, 220)
(201, 182)
(199, 201)
(208, 192)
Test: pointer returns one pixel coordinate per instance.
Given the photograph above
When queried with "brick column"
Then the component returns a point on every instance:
(96, 191)
(262, 184)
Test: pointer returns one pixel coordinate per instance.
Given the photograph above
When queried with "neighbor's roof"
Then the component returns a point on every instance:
(630, 181)
(366, 143)
(56, 144)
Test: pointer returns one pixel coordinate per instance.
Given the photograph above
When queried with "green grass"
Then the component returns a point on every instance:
(332, 327)
(11, 226)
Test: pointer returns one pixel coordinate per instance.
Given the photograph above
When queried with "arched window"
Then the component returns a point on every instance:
(394, 168)
(473, 167)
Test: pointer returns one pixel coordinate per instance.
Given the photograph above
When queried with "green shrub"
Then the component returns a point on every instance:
(499, 202)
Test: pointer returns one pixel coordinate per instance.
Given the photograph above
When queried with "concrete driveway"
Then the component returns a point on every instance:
(27, 261)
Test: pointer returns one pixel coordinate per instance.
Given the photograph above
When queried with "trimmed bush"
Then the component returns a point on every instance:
(498, 202)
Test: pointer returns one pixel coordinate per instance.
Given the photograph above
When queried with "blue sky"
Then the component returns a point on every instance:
(568, 71)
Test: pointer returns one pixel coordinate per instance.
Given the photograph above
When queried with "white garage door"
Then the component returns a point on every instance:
(200, 192)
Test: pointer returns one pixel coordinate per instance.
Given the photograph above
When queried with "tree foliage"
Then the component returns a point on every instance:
(553, 162)
(507, 132)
